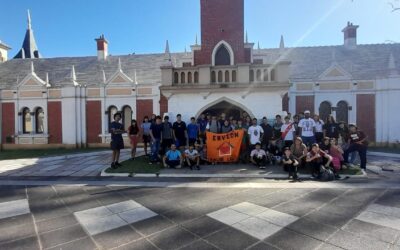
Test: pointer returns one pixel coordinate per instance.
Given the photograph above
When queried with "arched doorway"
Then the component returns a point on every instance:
(342, 112)
(325, 109)
(227, 106)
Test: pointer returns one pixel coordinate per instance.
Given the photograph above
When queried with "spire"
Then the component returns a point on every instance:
(104, 77)
(32, 68)
(258, 45)
(73, 76)
(47, 80)
(282, 43)
(136, 82)
(119, 64)
(247, 38)
(196, 43)
(29, 48)
(167, 47)
(29, 20)
(167, 52)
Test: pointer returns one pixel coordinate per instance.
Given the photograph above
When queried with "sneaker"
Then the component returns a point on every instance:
(113, 166)
(262, 167)
(198, 167)
(133, 158)
(118, 164)
(363, 171)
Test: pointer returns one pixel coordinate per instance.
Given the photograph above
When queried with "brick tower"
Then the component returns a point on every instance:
(222, 20)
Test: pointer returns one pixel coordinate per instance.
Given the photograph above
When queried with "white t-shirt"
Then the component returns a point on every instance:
(192, 154)
(259, 153)
(318, 126)
(255, 134)
(289, 135)
(307, 126)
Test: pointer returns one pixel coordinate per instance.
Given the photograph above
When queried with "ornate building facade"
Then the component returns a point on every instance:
(70, 101)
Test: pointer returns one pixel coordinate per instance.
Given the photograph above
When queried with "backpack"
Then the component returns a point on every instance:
(326, 174)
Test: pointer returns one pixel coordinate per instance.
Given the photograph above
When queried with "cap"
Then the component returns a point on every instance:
(307, 112)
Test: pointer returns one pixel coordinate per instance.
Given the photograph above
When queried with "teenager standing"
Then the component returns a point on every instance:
(133, 132)
(117, 143)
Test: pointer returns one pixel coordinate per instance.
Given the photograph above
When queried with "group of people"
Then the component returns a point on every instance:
(294, 141)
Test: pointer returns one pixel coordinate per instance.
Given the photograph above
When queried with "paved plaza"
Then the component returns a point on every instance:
(64, 203)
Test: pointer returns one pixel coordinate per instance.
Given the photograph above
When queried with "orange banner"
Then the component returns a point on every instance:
(224, 147)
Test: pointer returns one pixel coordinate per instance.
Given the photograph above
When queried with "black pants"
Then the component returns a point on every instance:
(288, 144)
(292, 170)
(166, 145)
(260, 161)
(173, 164)
(319, 136)
(362, 152)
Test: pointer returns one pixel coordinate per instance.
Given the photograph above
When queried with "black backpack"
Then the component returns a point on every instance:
(326, 174)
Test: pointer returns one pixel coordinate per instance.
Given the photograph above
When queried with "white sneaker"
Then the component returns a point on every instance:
(363, 171)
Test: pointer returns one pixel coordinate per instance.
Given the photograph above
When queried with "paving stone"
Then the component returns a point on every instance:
(80, 202)
(152, 225)
(366, 229)
(103, 224)
(248, 208)
(228, 216)
(327, 246)
(204, 226)
(14, 208)
(380, 219)
(16, 232)
(182, 215)
(48, 209)
(391, 198)
(262, 246)
(312, 229)
(60, 236)
(142, 244)
(30, 243)
(232, 239)
(199, 245)
(15, 221)
(328, 219)
(172, 238)
(93, 213)
(277, 218)
(137, 214)
(286, 239)
(109, 198)
(11, 193)
(391, 211)
(350, 241)
(56, 223)
(123, 206)
(116, 237)
(81, 244)
(257, 228)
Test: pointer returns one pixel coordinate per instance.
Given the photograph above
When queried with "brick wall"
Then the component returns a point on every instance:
(221, 20)
(366, 115)
(7, 121)
(93, 121)
(163, 104)
(54, 115)
(304, 103)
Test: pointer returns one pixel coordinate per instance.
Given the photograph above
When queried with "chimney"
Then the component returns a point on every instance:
(102, 48)
(350, 35)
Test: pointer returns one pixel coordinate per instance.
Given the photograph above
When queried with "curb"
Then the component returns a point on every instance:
(374, 153)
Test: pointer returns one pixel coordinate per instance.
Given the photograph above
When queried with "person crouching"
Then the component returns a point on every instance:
(258, 156)
(290, 163)
(173, 158)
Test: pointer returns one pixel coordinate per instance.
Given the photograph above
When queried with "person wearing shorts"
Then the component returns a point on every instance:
(117, 143)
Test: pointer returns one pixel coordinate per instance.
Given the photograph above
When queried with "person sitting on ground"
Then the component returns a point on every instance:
(226, 127)
(258, 156)
(192, 157)
(318, 159)
(290, 163)
(299, 150)
(325, 145)
(337, 154)
(173, 158)
(274, 152)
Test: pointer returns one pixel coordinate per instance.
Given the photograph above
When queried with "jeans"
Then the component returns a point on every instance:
(155, 148)
(308, 140)
(362, 152)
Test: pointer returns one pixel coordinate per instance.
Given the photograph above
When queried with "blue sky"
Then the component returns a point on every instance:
(68, 28)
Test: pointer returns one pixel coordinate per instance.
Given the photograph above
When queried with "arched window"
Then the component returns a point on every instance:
(176, 77)
(183, 80)
(196, 77)
(251, 75)
(342, 112)
(126, 116)
(213, 77)
(325, 109)
(190, 77)
(272, 74)
(265, 75)
(233, 75)
(39, 118)
(26, 121)
(220, 76)
(112, 110)
(259, 75)
(222, 56)
(227, 76)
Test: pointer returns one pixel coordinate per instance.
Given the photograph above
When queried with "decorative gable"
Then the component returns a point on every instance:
(335, 72)
(32, 81)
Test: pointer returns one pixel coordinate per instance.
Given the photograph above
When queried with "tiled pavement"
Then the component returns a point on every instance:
(102, 217)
